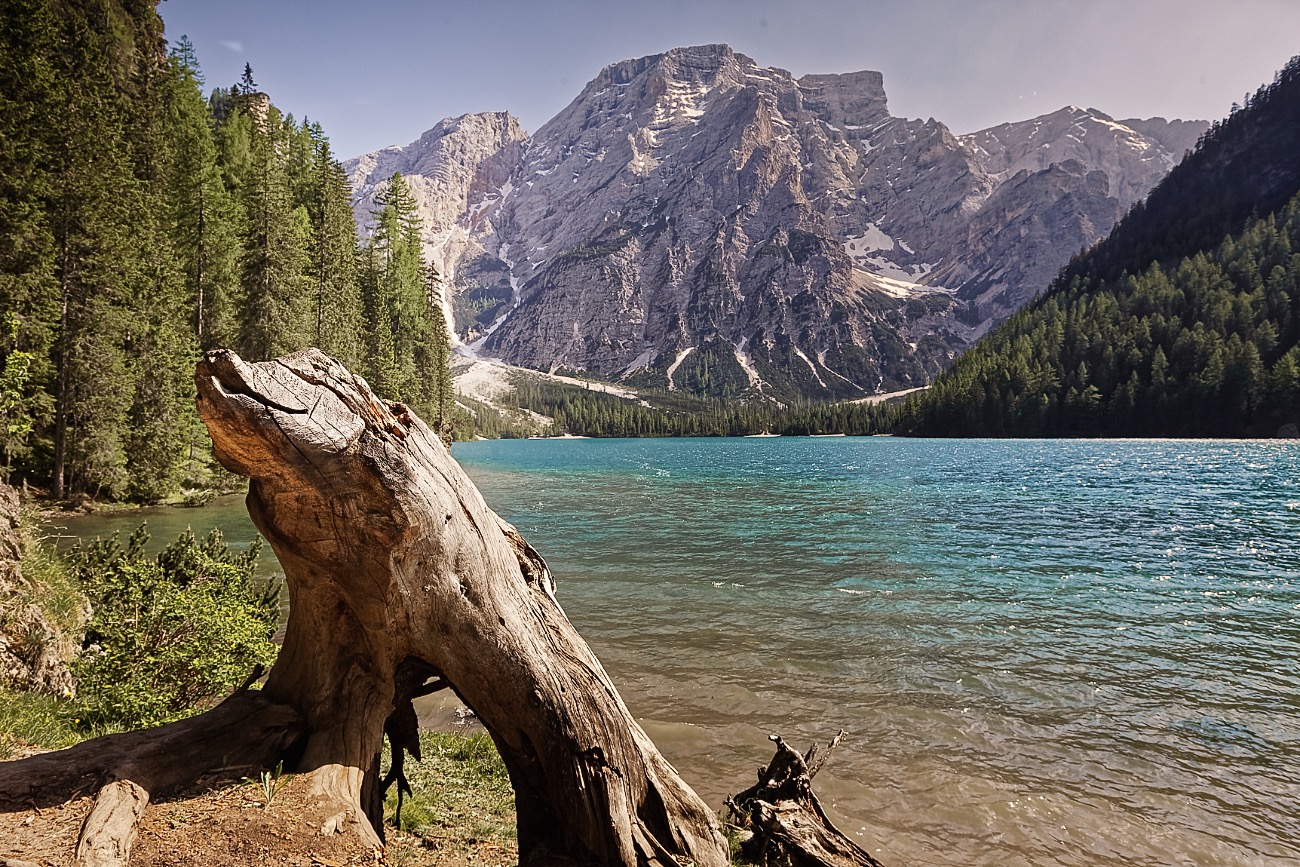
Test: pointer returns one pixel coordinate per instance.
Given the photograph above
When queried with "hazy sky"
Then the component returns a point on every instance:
(380, 73)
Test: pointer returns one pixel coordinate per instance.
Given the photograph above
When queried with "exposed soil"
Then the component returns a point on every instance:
(232, 824)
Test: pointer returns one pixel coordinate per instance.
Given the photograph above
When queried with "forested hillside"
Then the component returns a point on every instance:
(142, 222)
(1184, 322)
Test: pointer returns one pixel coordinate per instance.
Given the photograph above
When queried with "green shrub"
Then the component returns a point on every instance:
(169, 634)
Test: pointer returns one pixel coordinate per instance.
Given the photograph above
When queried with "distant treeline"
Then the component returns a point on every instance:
(596, 413)
(142, 223)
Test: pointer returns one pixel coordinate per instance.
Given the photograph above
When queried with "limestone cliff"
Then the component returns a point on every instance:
(695, 221)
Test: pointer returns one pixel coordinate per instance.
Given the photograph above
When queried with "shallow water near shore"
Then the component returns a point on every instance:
(1044, 652)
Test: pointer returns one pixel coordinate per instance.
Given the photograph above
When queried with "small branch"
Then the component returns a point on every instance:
(816, 762)
(254, 677)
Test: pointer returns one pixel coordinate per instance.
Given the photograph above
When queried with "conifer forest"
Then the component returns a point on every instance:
(143, 223)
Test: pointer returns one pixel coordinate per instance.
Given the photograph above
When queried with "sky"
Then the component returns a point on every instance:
(381, 73)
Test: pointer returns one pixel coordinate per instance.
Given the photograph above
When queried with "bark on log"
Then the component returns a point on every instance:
(394, 563)
(788, 823)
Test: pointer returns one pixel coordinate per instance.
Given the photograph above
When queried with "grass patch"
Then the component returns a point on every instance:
(461, 796)
(35, 720)
(460, 792)
(46, 581)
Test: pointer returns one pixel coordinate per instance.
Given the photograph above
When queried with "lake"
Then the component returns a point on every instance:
(1044, 652)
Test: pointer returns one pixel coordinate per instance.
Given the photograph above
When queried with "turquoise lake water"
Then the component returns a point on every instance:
(1044, 652)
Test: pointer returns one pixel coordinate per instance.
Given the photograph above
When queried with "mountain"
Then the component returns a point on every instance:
(1185, 321)
(693, 221)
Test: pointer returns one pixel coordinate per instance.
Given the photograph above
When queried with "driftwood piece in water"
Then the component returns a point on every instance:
(787, 821)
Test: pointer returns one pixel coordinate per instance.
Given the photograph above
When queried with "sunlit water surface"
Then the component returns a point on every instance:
(1044, 652)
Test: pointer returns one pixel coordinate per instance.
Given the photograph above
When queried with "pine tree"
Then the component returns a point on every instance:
(274, 314)
(247, 86)
(336, 295)
(437, 364)
(203, 216)
(400, 302)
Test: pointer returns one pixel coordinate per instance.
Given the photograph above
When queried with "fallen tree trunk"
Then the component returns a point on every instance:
(401, 579)
(788, 824)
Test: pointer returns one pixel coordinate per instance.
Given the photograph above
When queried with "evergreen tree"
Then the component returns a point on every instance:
(398, 309)
(437, 364)
(274, 314)
(204, 230)
(336, 292)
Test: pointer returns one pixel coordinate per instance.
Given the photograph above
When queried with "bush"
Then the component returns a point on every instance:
(170, 634)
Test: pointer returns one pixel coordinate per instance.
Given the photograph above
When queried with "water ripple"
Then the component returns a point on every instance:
(1074, 653)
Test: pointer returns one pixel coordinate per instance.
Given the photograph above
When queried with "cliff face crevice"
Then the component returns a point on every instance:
(790, 231)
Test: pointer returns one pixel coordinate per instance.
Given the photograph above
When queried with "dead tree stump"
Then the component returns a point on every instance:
(401, 579)
(788, 824)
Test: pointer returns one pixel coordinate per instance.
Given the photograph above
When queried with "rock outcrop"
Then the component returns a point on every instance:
(695, 221)
(34, 652)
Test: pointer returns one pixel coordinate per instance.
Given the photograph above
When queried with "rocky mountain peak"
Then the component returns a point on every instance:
(694, 64)
(695, 221)
(852, 100)
(1134, 160)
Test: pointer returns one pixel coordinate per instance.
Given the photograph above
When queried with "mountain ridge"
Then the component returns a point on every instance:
(1183, 321)
(692, 220)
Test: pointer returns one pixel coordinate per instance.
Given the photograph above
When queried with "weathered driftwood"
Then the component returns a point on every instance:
(401, 579)
(787, 821)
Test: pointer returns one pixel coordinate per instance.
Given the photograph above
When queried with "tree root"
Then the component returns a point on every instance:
(244, 732)
(787, 821)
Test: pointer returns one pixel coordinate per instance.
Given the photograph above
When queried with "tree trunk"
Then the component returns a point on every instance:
(402, 581)
(395, 564)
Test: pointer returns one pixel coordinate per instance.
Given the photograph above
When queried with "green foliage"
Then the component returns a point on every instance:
(1205, 346)
(19, 407)
(168, 634)
(271, 783)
